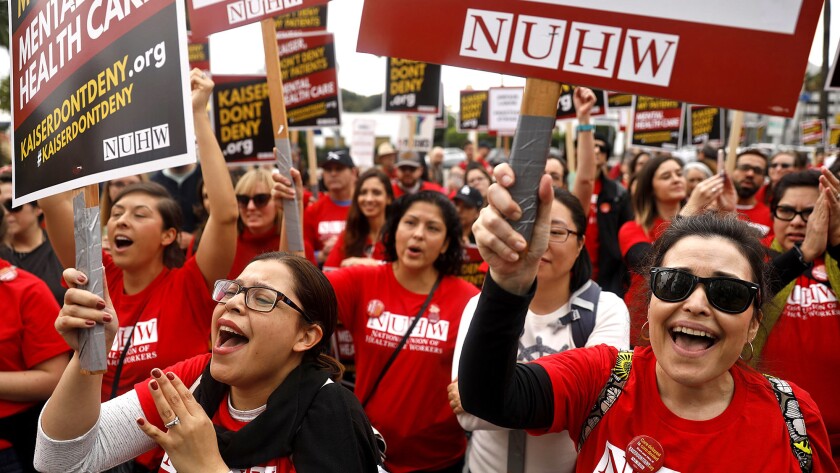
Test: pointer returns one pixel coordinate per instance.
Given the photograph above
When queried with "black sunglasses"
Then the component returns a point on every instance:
(260, 200)
(8, 204)
(729, 295)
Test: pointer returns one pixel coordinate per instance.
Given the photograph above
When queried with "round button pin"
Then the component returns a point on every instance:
(645, 454)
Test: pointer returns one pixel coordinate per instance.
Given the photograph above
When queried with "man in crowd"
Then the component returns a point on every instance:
(182, 184)
(325, 219)
(468, 202)
(386, 155)
(479, 157)
(748, 178)
(435, 168)
(409, 172)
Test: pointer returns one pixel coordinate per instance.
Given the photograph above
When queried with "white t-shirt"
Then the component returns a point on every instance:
(542, 335)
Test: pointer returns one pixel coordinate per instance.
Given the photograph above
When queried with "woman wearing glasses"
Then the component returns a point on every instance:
(803, 319)
(564, 292)
(680, 404)
(780, 165)
(263, 400)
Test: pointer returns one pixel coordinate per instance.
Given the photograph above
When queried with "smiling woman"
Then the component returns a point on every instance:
(687, 388)
(263, 400)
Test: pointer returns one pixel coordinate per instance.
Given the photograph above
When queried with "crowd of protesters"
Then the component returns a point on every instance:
(381, 352)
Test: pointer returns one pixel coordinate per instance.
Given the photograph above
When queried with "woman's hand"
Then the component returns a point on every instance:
(454, 397)
(283, 187)
(190, 443)
(704, 195)
(584, 99)
(513, 262)
(201, 87)
(83, 309)
(830, 182)
(816, 231)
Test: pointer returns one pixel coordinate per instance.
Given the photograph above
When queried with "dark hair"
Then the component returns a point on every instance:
(358, 226)
(607, 144)
(448, 263)
(643, 199)
(318, 301)
(474, 166)
(170, 212)
(711, 224)
(582, 269)
(635, 159)
(563, 164)
(754, 152)
(810, 178)
(799, 159)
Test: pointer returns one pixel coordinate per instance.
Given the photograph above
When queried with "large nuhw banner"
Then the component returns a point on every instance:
(212, 16)
(99, 91)
(716, 52)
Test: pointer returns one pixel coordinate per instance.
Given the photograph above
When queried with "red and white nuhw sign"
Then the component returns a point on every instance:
(711, 52)
(212, 16)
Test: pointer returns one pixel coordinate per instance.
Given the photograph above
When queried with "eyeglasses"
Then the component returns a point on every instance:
(260, 200)
(786, 213)
(729, 295)
(261, 299)
(8, 204)
(781, 165)
(758, 170)
(560, 234)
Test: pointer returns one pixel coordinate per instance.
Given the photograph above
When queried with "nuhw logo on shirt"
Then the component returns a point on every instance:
(144, 333)
(396, 324)
(329, 228)
(615, 461)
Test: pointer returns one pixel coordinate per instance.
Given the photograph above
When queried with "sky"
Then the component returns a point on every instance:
(240, 52)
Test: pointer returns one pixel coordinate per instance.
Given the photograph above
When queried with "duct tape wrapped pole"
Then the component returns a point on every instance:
(283, 148)
(88, 236)
(530, 148)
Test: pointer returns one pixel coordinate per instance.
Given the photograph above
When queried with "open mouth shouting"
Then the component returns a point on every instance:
(122, 242)
(691, 341)
(229, 338)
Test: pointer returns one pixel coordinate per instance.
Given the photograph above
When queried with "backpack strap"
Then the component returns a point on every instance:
(587, 307)
(609, 394)
(800, 445)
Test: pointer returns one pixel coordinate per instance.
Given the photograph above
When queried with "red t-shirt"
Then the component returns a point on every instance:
(411, 405)
(424, 186)
(631, 233)
(750, 435)
(802, 345)
(336, 256)
(27, 332)
(172, 314)
(249, 245)
(487, 166)
(592, 242)
(758, 216)
(323, 220)
(189, 371)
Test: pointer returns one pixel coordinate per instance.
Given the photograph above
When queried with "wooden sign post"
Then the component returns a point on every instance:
(282, 145)
(734, 139)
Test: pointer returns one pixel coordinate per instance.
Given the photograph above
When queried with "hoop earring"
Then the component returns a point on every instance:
(642, 332)
(752, 352)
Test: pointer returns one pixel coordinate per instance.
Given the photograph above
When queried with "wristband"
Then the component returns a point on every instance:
(581, 128)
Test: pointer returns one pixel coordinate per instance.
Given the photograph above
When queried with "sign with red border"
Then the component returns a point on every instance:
(646, 47)
(212, 16)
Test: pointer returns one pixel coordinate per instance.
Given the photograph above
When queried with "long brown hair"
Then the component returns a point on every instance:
(358, 226)
(170, 213)
(643, 199)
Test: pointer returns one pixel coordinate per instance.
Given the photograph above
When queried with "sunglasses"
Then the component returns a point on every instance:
(8, 204)
(729, 295)
(260, 200)
(757, 170)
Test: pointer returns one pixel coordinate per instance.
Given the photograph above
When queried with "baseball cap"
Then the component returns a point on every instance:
(409, 158)
(470, 196)
(385, 148)
(340, 157)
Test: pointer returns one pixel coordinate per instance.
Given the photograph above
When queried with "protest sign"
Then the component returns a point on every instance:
(619, 100)
(442, 118)
(833, 137)
(705, 124)
(242, 119)
(212, 16)
(472, 115)
(310, 83)
(471, 267)
(812, 132)
(646, 47)
(199, 52)
(566, 106)
(363, 142)
(97, 93)
(504, 104)
(411, 86)
(306, 20)
(657, 123)
(417, 132)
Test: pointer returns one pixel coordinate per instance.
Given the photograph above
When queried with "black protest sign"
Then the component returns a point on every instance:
(566, 105)
(471, 267)
(657, 123)
(97, 93)
(199, 52)
(705, 124)
(473, 114)
(310, 83)
(242, 119)
(619, 100)
(411, 86)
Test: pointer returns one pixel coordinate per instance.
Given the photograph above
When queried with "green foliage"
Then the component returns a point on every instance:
(352, 102)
